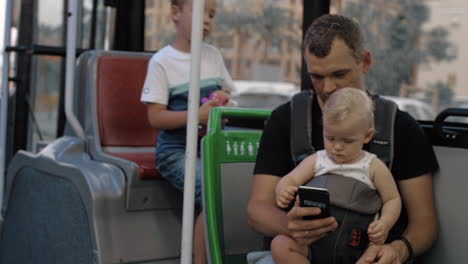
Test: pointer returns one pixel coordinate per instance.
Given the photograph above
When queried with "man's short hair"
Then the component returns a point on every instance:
(320, 35)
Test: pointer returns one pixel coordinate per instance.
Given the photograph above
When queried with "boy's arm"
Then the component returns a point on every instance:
(161, 118)
(386, 186)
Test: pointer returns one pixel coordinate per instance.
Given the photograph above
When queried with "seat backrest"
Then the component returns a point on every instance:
(123, 121)
(228, 160)
(122, 129)
(450, 185)
(122, 116)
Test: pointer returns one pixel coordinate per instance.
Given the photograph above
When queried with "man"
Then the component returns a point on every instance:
(335, 58)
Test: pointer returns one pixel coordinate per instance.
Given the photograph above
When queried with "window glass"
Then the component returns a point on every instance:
(418, 48)
(86, 24)
(259, 40)
(50, 23)
(46, 74)
(48, 71)
(46, 87)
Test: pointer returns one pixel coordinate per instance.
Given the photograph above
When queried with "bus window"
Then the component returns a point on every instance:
(260, 42)
(417, 48)
(47, 70)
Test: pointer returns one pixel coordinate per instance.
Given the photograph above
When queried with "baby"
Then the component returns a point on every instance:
(348, 124)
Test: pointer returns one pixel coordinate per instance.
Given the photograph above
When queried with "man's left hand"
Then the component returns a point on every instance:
(380, 254)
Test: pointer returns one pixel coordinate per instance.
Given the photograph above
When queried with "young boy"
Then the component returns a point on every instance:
(165, 93)
(348, 123)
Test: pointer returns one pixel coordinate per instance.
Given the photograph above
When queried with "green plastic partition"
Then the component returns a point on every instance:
(226, 149)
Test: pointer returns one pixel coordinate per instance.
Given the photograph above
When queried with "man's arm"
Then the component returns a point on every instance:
(262, 207)
(418, 197)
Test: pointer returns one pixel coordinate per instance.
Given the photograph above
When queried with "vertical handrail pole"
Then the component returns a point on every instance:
(70, 61)
(192, 131)
(4, 97)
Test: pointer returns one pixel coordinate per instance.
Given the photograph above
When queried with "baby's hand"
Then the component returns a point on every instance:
(284, 194)
(378, 232)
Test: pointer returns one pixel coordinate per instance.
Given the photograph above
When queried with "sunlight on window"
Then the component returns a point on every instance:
(417, 48)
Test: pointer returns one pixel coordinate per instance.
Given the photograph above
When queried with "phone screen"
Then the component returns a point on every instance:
(315, 197)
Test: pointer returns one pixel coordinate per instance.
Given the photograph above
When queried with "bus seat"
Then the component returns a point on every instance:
(62, 193)
(75, 188)
(228, 160)
(115, 122)
(123, 123)
(145, 163)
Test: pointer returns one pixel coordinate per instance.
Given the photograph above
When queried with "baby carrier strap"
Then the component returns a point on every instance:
(384, 119)
(301, 127)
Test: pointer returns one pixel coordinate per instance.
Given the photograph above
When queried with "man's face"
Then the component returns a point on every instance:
(337, 70)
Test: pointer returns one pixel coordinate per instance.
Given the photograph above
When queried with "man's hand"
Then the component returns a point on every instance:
(380, 254)
(305, 232)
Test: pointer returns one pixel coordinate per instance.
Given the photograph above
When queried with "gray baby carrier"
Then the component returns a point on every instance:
(353, 203)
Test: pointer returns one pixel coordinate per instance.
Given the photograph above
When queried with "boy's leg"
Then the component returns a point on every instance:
(199, 241)
(286, 250)
(172, 168)
(199, 244)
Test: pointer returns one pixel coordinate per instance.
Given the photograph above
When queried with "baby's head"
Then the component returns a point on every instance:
(349, 105)
(348, 123)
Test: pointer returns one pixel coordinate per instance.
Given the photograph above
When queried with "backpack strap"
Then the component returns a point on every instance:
(384, 119)
(301, 126)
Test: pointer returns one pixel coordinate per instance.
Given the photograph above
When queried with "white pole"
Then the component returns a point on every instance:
(70, 68)
(4, 96)
(192, 134)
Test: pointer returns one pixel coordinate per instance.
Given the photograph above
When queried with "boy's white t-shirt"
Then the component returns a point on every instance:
(169, 74)
(167, 83)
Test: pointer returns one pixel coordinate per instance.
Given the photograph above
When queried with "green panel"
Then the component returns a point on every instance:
(222, 146)
(237, 146)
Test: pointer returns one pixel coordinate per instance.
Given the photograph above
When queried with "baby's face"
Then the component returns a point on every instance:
(344, 140)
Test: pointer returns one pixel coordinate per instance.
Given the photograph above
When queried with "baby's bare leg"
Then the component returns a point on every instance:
(286, 250)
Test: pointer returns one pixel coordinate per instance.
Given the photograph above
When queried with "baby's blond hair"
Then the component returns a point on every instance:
(349, 103)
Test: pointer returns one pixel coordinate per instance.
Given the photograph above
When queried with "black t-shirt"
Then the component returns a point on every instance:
(413, 155)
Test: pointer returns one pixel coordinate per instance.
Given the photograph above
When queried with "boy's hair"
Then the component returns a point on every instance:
(177, 2)
(323, 31)
(349, 103)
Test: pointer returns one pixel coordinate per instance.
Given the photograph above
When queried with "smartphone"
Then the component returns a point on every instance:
(315, 197)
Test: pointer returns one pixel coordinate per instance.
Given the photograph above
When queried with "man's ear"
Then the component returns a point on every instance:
(369, 135)
(175, 13)
(366, 61)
